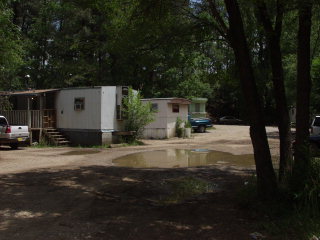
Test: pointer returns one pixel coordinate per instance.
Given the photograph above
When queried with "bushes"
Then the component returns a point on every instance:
(5, 103)
(309, 199)
(138, 114)
(291, 214)
(179, 127)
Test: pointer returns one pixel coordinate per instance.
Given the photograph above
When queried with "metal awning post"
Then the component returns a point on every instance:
(41, 116)
(29, 119)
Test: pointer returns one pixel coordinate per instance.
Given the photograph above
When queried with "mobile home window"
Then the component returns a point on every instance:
(78, 104)
(154, 107)
(175, 108)
(197, 107)
(125, 91)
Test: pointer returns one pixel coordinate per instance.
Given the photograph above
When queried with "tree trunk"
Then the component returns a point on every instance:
(282, 109)
(273, 36)
(267, 184)
(302, 160)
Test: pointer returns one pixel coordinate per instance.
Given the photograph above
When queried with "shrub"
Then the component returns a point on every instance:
(187, 124)
(138, 114)
(5, 103)
(309, 198)
(179, 127)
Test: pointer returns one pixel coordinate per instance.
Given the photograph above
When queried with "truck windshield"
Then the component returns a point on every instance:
(3, 121)
(316, 122)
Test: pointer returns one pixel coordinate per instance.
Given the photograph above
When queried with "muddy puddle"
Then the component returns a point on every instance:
(180, 158)
(81, 152)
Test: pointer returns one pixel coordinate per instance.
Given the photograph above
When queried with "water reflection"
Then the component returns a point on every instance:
(180, 158)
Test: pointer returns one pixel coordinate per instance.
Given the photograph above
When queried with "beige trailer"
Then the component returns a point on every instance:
(167, 112)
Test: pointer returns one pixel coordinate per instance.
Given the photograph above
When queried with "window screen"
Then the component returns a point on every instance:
(154, 107)
(197, 107)
(78, 104)
(175, 108)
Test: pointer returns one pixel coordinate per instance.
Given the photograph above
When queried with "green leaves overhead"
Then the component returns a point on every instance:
(163, 48)
(11, 50)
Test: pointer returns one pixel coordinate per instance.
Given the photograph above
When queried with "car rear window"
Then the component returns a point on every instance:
(316, 122)
(3, 121)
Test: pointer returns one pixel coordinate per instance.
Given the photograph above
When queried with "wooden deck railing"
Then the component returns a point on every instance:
(33, 118)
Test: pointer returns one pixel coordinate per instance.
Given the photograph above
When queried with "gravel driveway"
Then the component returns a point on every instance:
(76, 193)
(225, 138)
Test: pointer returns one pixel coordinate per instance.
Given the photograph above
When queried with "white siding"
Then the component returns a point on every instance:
(89, 118)
(172, 117)
(108, 108)
(155, 133)
(160, 116)
(165, 119)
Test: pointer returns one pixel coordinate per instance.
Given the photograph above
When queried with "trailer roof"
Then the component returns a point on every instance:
(170, 100)
(32, 92)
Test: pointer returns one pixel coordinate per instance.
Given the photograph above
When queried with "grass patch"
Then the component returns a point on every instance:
(132, 143)
(184, 188)
(285, 217)
(43, 143)
(96, 146)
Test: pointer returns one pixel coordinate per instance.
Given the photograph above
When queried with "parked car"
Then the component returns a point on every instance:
(12, 135)
(230, 120)
(315, 126)
(200, 124)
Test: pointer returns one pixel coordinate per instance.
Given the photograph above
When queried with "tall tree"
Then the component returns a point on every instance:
(235, 34)
(302, 158)
(273, 33)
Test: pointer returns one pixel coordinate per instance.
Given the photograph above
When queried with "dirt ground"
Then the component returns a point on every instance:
(48, 193)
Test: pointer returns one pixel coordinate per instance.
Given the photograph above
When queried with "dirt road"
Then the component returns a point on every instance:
(232, 139)
(59, 193)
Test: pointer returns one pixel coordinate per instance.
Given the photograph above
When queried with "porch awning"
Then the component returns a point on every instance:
(180, 101)
(27, 92)
(169, 100)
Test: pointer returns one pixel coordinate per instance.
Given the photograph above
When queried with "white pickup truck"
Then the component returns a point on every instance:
(315, 125)
(12, 135)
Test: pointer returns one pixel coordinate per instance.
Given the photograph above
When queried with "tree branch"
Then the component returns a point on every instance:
(221, 26)
(264, 17)
(279, 18)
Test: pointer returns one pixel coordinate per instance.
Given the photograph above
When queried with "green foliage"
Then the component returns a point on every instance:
(184, 188)
(179, 127)
(309, 199)
(315, 98)
(11, 50)
(43, 143)
(5, 103)
(138, 114)
(187, 124)
(131, 143)
(289, 215)
(103, 146)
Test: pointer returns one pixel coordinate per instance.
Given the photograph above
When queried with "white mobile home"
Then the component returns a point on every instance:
(197, 108)
(89, 116)
(167, 112)
(86, 116)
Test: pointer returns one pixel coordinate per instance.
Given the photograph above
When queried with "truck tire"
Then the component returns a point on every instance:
(201, 129)
(14, 145)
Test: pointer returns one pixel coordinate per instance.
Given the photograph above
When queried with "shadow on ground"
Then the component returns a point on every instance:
(118, 203)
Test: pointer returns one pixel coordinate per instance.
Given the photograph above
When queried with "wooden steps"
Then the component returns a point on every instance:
(55, 137)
